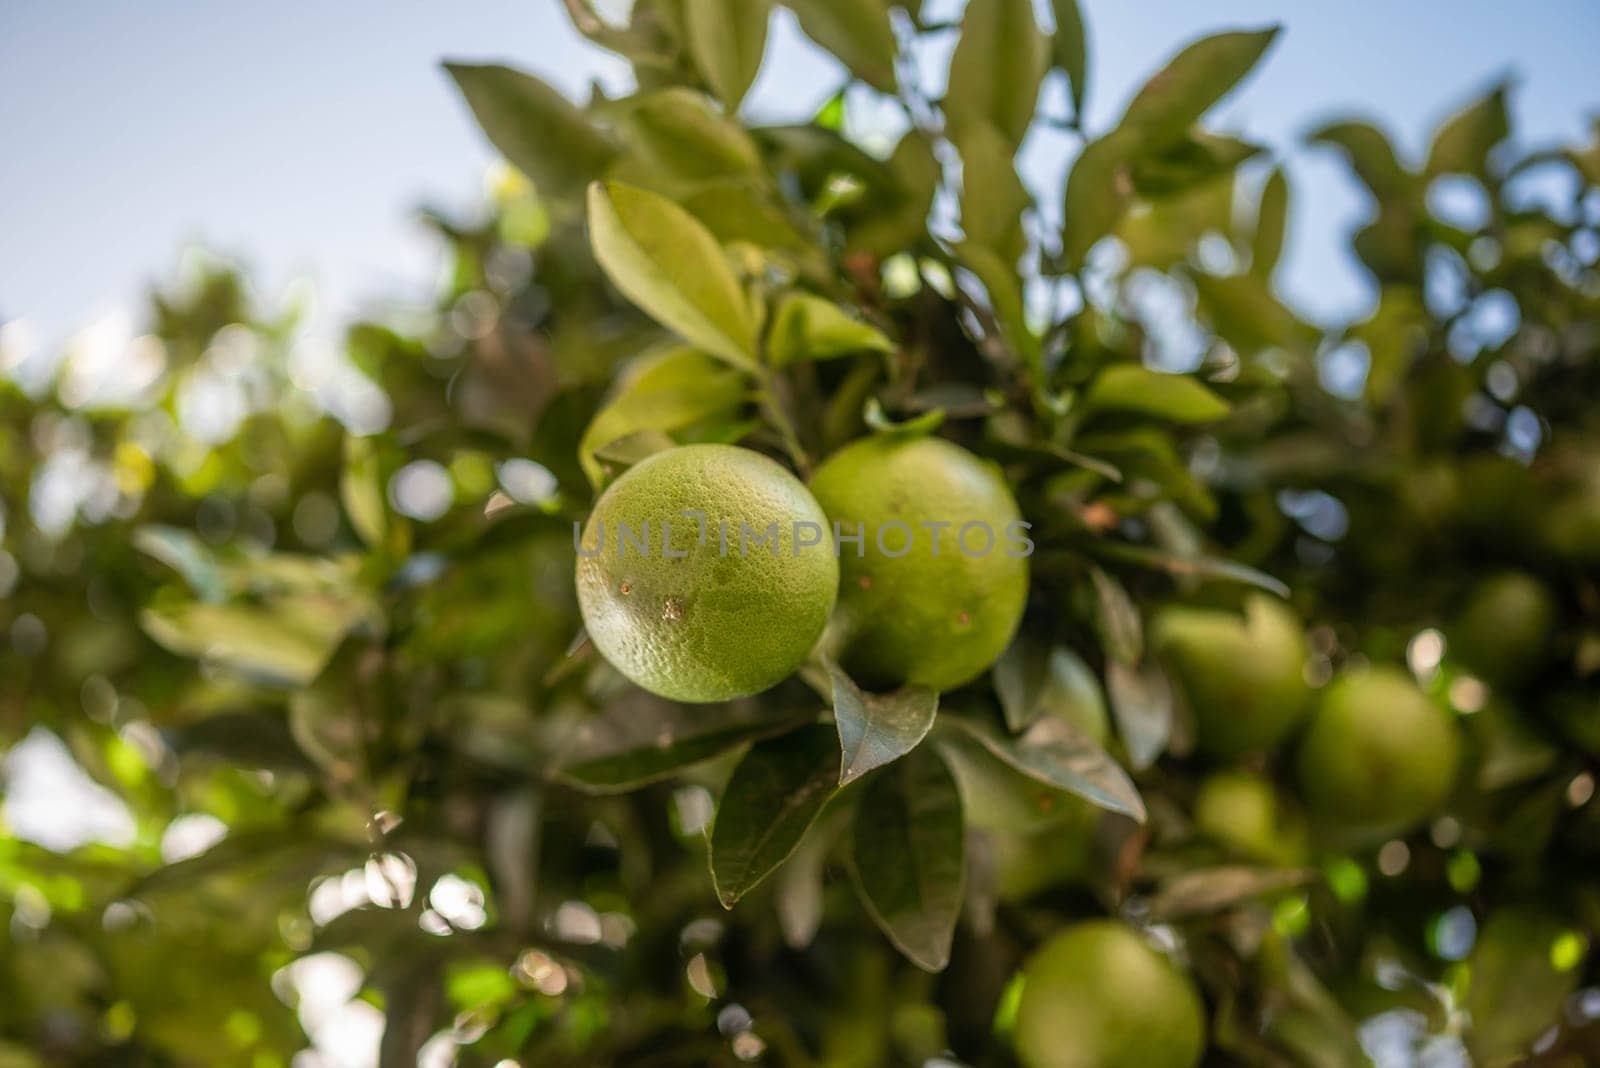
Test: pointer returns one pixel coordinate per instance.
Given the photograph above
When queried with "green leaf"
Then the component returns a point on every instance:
(1244, 311)
(1517, 986)
(1032, 680)
(1128, 387)
(899, 214)
(739, 210)
(361, 491)
(332, 718)
(667, 263)
(798, 890)
(1069, 48)
(538, 130)
(875, 729)
(878, 421)
(253, 738)
(1192, 160)
(1098, 191)
(1370, 155)
(771, 799)
(908, 856)
(858, 32)
(992, 196)
(1195, 567)
(807, 327)
(662, 393)
(1205, 891)
(1002, 286)
(640, 739)
(281, 644)
(1462, 144)
(1191, 82)
(997, 68)
(1141, 700)
(1395, 335)
(1054, 752)
(186, 554)
(1116, 619)
(679, 132)
(1272, 216)
(726, 39)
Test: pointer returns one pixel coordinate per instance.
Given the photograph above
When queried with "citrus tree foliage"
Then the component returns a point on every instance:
(352, 643)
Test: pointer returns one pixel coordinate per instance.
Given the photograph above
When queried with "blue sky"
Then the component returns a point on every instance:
(299, 137)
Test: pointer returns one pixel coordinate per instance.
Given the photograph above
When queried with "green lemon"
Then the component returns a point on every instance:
(1244, 677)
(1505, 628)
(726, 614)
(1243, 812)
(935, 592)
(1097, 996)
(1378, 757)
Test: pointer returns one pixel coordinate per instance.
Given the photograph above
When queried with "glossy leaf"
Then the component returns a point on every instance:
(1054, 752)
(1129, 387)
(643, 739)
(908, 856)
(535, 127)
(772, 798)
(875, 729)
(667, 263)
(807, 327)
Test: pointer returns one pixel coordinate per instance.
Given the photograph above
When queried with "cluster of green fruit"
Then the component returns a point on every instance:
(712, 625)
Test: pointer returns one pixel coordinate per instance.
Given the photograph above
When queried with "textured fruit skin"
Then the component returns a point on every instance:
(1096, 996)
(1378, 756)
(707, 626)
(1505, 628)
(922, 619)
(1244, 678)
(1242, 811)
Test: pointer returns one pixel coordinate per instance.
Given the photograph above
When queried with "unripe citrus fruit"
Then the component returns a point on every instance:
(1097, 996)
(1504, 631)
(730, 616)
(912, 610)
(1243, 812)
(1379, 756)
(1244, 678)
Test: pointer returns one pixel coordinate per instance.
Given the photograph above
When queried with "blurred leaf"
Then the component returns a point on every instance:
(878, 421)
(1098, 190)
(1394, 336)
(1116, 619)
(856, 31)
(1518, 984)
(537, 129)
(771, 799)
(1003, 287)
(1033, 680)
(640, 739)
(1244, 312)
(667, 263)
(1208, 890)
(678, 131)
(875, 729)
(186, 554)
(996, 69)
(727, 39)
(1069, 47)
(1272, 218)
(807, 327)
(331, 719)
(1199, 567)
(992, 196)
(249, 739)
(899, 214)
(663, 392)
(908, 856)
(738, 210)
(1141, 700)
(282, 644)
(1370, 155)
(798, 890)
(1463, 142)
(1056, 753)
(1194, 159)
(1191, 82)
(361, 491)
(1128, 387)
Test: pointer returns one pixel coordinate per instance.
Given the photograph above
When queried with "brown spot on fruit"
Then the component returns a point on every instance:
(625, 589)
(864, 581)
(672, 608)
(963, 619)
